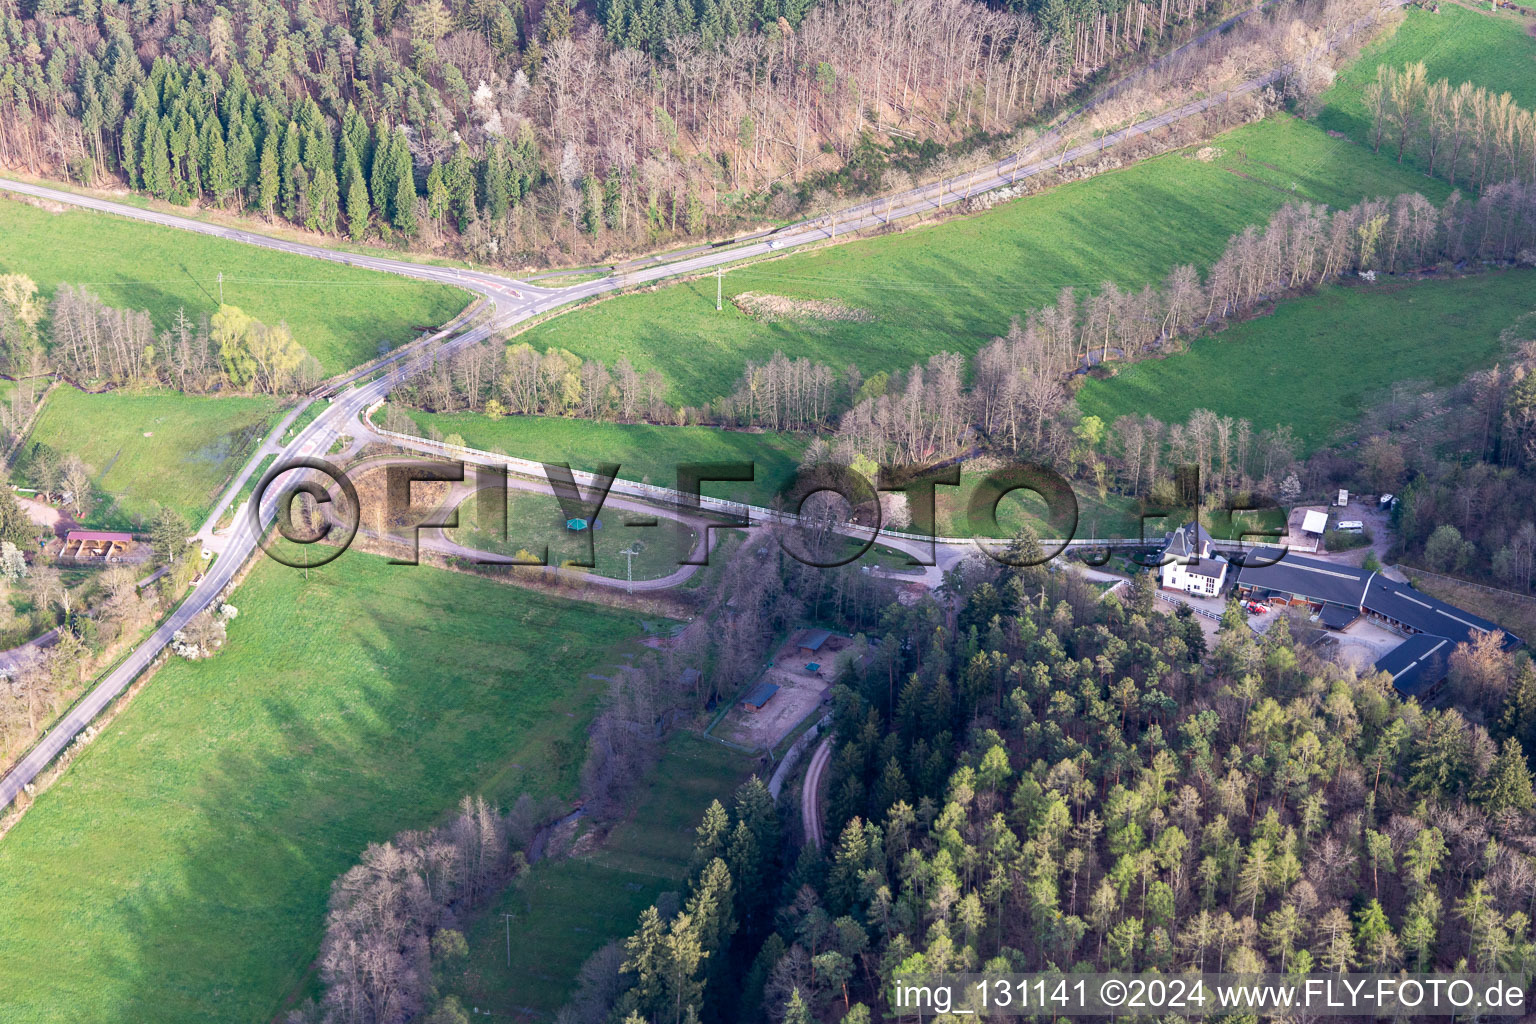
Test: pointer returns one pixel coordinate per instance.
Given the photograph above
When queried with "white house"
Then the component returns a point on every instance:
(1190, 563)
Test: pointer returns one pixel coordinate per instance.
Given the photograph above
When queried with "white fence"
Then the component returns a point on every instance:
(674, 498)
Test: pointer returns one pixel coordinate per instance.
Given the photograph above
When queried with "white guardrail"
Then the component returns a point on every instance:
(674, 498)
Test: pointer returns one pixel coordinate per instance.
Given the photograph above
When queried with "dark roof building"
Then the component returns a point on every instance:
(1189, 541)
(1417, 663)
(1400, 604)
(1306, 579)
(1189, 562)
(813, 639)
(761, 694)
(1341, 594)
(1338, 616)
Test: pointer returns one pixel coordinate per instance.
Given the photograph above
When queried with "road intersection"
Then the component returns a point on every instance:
(508, 302)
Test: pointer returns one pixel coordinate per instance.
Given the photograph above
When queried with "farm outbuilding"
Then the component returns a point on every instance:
(761, 694)
(812, 641)
(1339, 595)
(83, 545)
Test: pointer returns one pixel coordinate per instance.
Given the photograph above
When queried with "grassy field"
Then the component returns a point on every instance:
(1318, 362)
(645, 452)
(342, 315)
(576, 904)
(1457, 44)
(154, 448)
(536, 522)
(180, 870)
(955, 285)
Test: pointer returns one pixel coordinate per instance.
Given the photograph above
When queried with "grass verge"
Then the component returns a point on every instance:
(342, 315)
(565, 910)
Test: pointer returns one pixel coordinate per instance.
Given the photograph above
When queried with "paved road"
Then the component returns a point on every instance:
(509, 302)
(440, 541)
(810, 793)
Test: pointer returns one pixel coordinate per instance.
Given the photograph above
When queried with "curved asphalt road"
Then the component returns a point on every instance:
(511, 301)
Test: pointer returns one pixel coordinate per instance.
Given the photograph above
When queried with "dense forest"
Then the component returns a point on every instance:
(1058, 782)
(518, 130)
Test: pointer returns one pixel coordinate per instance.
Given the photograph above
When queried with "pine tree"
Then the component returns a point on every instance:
(267, 179)
(381, 174)
(156, 162)
(459, 176)
(796, 1011)
(496, 181)
(15, 526)
(215, 158)
(132, 136)
(525, 164)
(591, 206)
(354, 131)
(241, 150)
(437, 194)
(557, 21)
(402, 206)
(357, 203)
(645, 958)
(324, 201)
(713, 834)
(1508, 785)
(289, 166)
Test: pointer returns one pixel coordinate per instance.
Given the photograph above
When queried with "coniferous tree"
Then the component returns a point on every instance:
(402, 207)
(268, 179)
(459, 176)
(355, 191)
(290, 170)
(496, 185)
(381, 174)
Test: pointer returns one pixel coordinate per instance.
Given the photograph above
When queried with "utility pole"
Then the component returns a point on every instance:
(629, 554)
(719, 286)
(508, 918)
(221, 287)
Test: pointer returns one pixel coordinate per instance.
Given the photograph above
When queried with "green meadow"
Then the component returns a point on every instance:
(647, 453)
(154, 448)
(1497, 52)
(954, 285)
(1316, 363)
(577, 904)
(179, 871)
(537, 525)
(344, 316)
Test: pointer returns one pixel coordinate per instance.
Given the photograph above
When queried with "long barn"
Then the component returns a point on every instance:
(1340, 594)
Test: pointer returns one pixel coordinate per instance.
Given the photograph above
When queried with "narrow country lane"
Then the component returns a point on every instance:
(510, 302)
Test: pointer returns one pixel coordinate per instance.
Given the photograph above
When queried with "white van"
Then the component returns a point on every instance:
(1351, 526)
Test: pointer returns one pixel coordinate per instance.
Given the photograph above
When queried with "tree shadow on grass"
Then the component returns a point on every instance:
(307, 773)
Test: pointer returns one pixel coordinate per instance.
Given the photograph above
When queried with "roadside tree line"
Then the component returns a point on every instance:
(1017, 382)
(1015, 385)
(95, 344)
